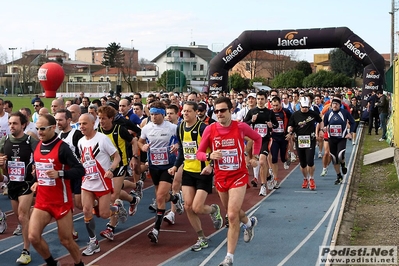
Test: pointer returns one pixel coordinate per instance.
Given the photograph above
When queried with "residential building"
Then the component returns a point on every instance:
(192, 61)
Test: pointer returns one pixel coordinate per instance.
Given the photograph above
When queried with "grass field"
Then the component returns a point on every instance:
(25, 101)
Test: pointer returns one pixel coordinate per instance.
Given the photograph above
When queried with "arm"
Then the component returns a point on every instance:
(180, 154)
(205, 143)
(115, 158)
(257, 139)
(68, 157)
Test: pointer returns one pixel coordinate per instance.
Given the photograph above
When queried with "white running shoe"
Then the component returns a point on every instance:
(169, 218)
(3, 222)
(262, 191)
(324, 172)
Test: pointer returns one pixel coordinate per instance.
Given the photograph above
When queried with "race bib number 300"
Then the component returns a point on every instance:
(159, 156)
(229, 161)
(42, 177)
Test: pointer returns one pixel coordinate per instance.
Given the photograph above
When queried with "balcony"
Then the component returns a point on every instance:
(149, 73)
(181, 60)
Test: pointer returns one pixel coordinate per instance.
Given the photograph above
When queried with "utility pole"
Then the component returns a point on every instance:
(12, 69)
(392, 13)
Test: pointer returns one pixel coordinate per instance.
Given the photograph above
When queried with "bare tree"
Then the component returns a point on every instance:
(281, 61)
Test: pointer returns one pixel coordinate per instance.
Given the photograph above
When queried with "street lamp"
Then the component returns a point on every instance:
(12, 68)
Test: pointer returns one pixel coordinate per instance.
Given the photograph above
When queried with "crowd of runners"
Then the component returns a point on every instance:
(94, 155)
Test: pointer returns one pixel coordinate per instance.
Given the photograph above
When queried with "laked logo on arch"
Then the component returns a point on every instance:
(372, 75)
(371, 86)
(215, 76)
(356, 48)
(231, 53)
(291, 40)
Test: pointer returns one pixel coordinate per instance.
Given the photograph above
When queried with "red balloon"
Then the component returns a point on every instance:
(51, 75)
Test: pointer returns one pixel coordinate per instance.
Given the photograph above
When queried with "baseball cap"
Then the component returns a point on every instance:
(252, 94)
(201, 106)
(305, 102)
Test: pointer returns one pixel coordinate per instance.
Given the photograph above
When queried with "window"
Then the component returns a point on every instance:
(192, 54)
(182, 68)
(169, 54)
(201, 67)
(181, 54)
(194, 67)
(248, 66)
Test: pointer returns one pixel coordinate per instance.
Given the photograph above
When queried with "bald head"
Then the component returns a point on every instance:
(75, 112)
(57, 105)
(44, 111)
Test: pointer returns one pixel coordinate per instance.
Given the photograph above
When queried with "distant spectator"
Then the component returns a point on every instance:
(37, 98)
(37, 105)
(84, 107)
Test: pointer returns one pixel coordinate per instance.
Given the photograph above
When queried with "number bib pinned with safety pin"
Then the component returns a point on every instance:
(91, 171)
(335, 130)
(229, 161)
(42, 178)
(16, 171)
(304, 141)
(261, 129)
(159, 156)
(190, 150)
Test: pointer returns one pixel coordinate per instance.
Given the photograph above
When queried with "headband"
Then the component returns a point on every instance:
(154, 110)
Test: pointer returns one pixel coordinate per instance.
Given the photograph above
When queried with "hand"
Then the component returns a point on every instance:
(108, 174)
(34, 187)
(172, 170)
(133, 164)
(3, 160)
(52, 173)
(269, 124)
(207, 170)
(174, 148)
(216, 155)
(254, 117)
(253, 162)
(145, 147)
(348, 136)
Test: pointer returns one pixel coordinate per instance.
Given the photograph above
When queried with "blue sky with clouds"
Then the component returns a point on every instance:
(155, 25)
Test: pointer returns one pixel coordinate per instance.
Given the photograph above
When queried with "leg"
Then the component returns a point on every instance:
(23, 205)
(64, 233)
(39, 219)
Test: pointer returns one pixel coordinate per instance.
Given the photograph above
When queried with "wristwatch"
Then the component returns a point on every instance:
(61, 173)
(111, 169)
(256, 157)
(135, 157)
(208, 156)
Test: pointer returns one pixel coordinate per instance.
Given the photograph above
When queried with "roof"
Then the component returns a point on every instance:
(201, 52)
(262, 87)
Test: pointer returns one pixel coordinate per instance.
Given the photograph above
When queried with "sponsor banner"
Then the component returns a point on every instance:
(218, 81)
(372, 80)
(354, 255)
(292, 39)
(355, 47)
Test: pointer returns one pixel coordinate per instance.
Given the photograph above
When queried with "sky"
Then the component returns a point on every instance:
(151, 27)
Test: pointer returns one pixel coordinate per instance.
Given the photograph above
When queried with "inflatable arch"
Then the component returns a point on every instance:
(342, 37)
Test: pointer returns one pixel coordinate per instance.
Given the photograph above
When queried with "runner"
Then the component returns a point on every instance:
(335, 123)
(226, 140)
(197, 178)
(16, 160)
(262, 120)
(97, 154)
(157, 139)
(302, 122)
(55, 165)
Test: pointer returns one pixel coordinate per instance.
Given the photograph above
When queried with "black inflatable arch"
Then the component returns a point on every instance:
(342, 37)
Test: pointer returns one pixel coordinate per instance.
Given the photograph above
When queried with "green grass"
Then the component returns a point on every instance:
(25, 101)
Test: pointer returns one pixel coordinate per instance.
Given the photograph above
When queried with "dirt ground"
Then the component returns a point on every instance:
(371, 214)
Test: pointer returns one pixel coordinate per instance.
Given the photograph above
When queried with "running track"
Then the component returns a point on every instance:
(293, 223)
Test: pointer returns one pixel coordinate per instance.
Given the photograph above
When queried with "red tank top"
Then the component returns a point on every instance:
(54, 191)
(232, 165)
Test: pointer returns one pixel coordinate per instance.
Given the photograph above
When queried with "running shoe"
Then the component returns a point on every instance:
(75, 236)
(153, 235)
(270, 182)
(287, 164)
(276, 184)
(343, 168)
(122, 214)
(226, 262)
(139, 188)
(107, 233)
(5, 189)
(320, 155)
(92, 248)
(25, 257)
(312, 184)
(262, 191)
(202, 243)
(133, 206)
(305, 183)
(293, 157)
(170, 218)
(217, 219)
(338, 181)
(3, 222)
(249, 232)
(18, 230)
(153, 206)
(271, 172)
(254, 182)
(179, 204)
(226, 221)
(143, 176)
(324, 172)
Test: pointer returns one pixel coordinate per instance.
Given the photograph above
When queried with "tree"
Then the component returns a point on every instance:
(342, 63)
(113, 55)
(325, 78)
(237, 82)
(289, 79)
(172, 79)
(305, 67)
(281, 62)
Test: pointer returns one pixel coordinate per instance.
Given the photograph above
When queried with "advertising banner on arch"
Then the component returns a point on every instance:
(372, 80)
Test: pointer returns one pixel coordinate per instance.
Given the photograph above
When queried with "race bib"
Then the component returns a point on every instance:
(335, 130)
(159, 156)
(190, 150)
(280, 128)
(16, 171)
(304, 141)
(91, 170)
(229, 161)
(261, 129)
(42, 177)
(3, 132)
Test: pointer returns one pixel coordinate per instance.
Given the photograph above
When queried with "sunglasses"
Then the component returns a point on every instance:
(223, 110)
(35, 105)
(42, 128)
